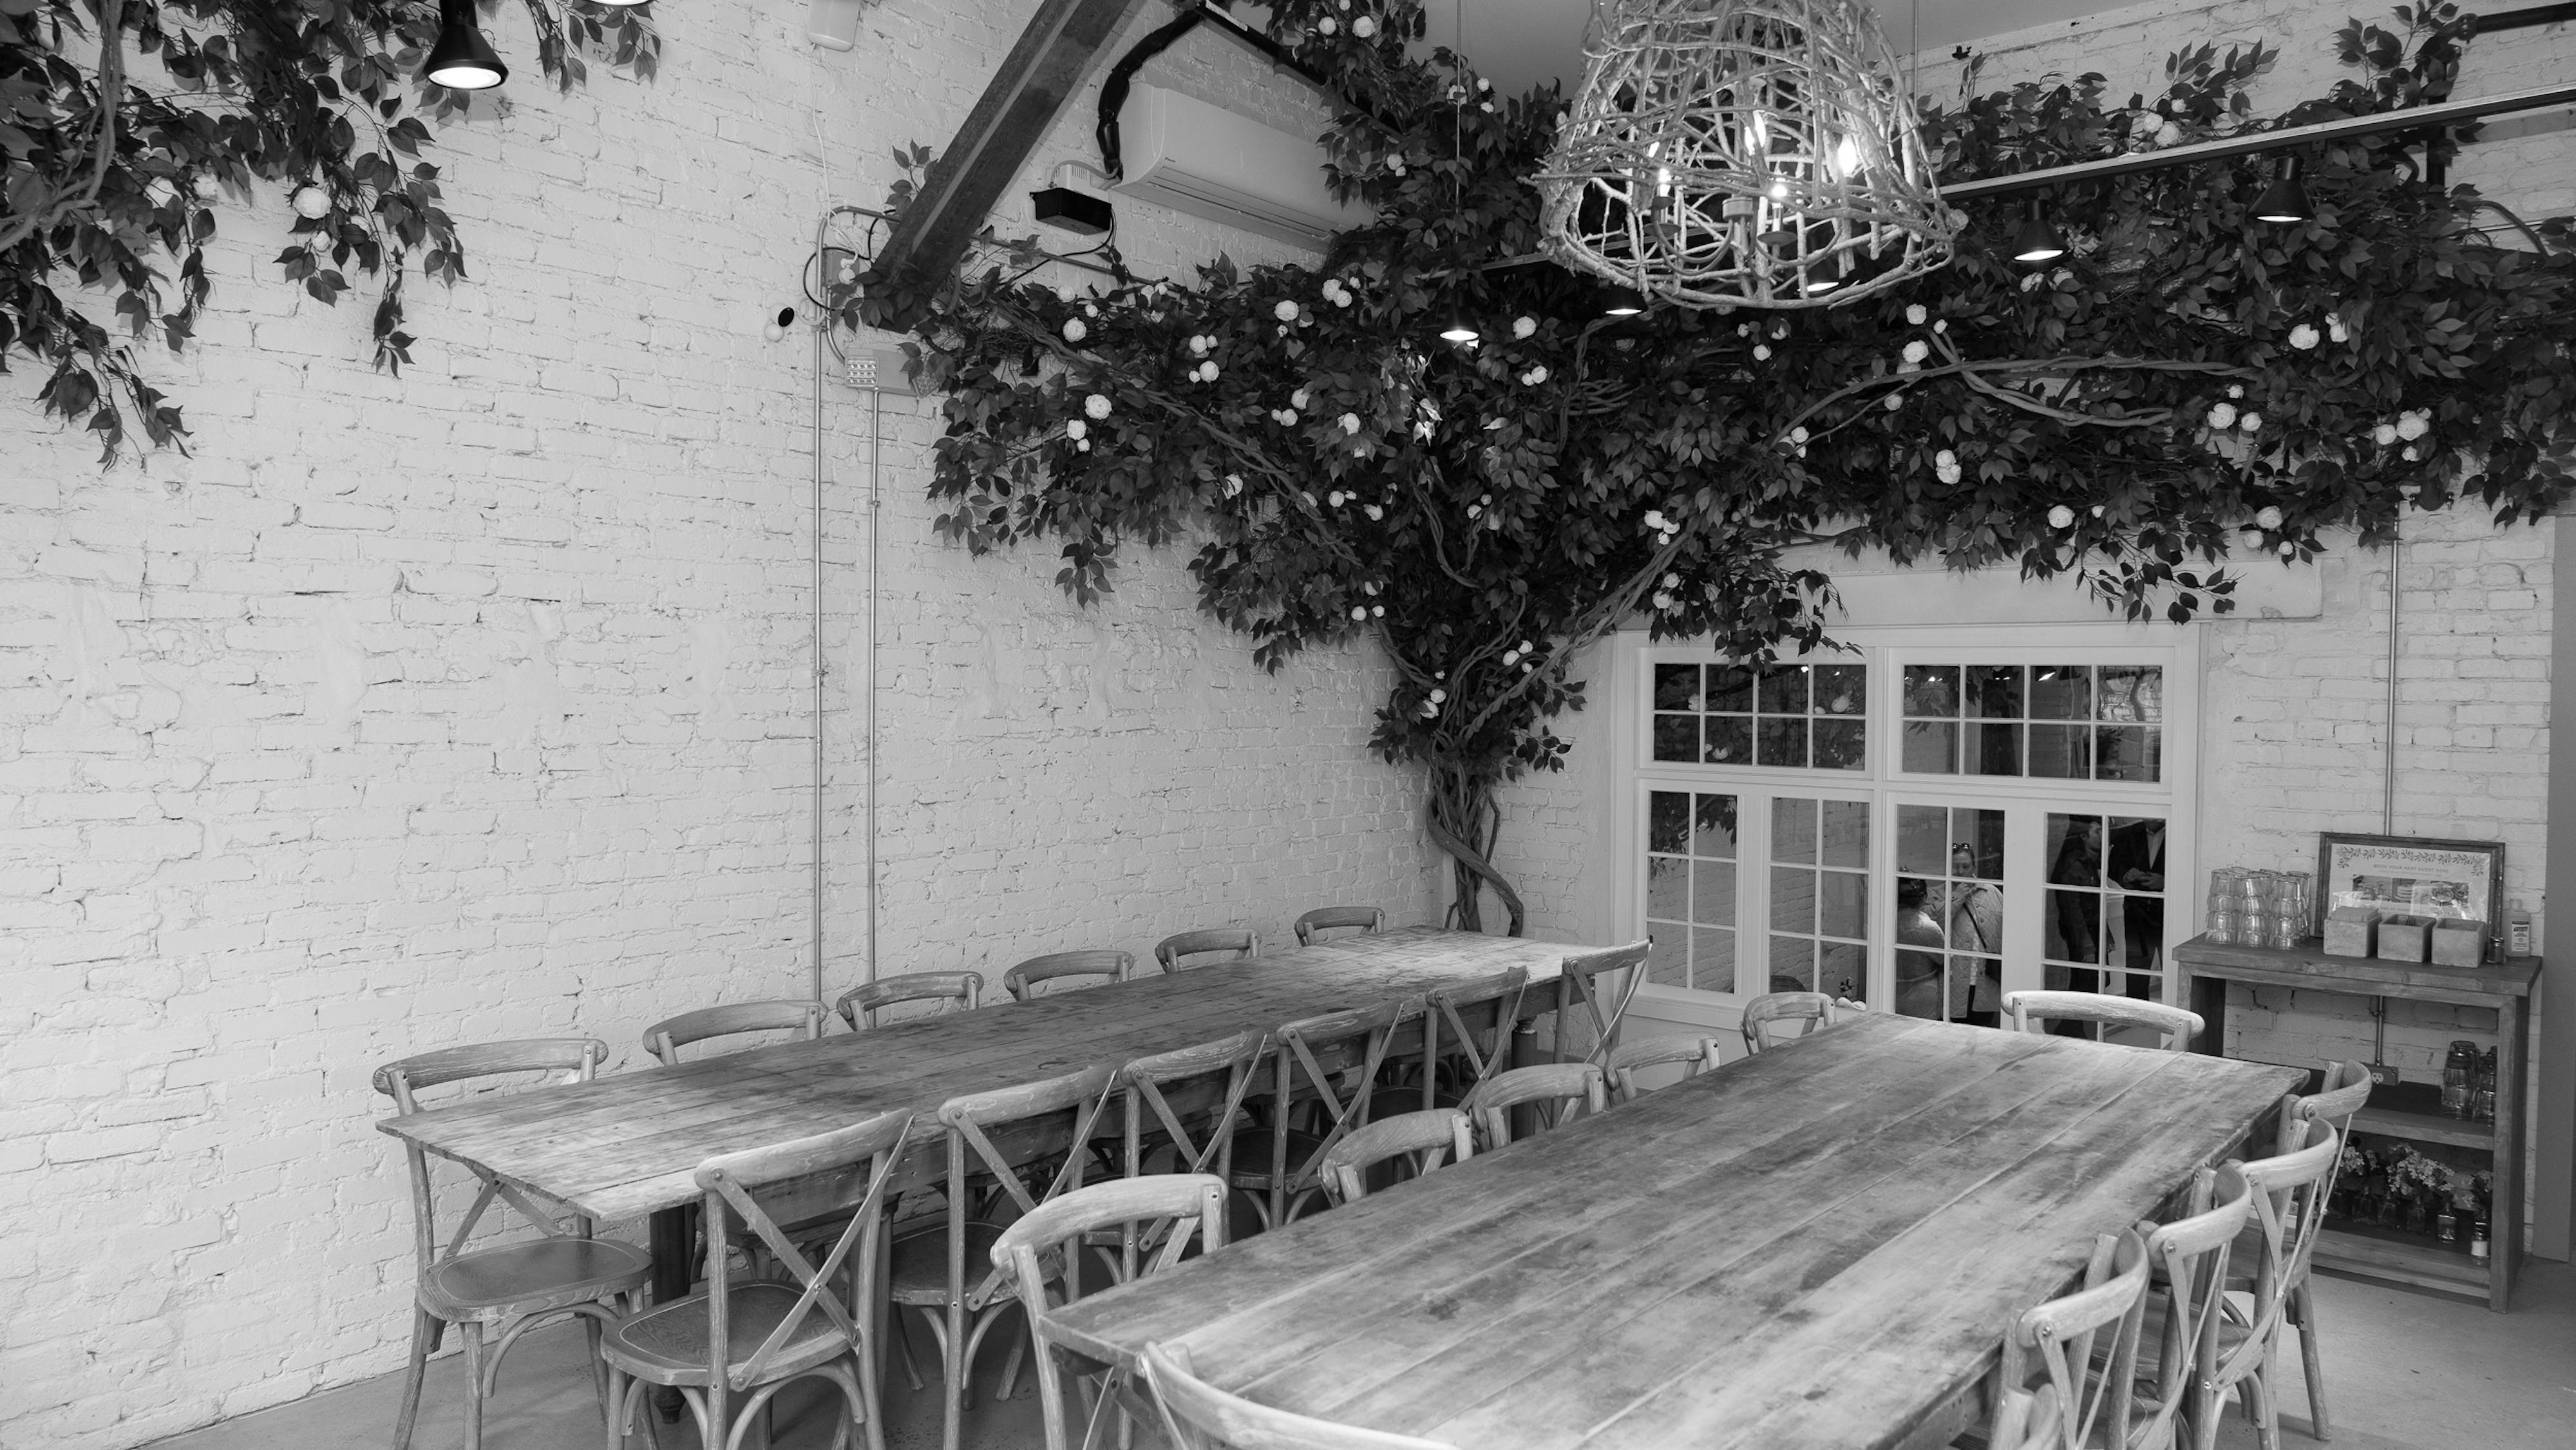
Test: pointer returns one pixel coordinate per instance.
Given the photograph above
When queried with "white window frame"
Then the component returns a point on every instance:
(1887, 651)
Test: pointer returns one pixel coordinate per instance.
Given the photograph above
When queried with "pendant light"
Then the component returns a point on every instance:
(463, 60)
(1622, 302)
(2037, 241)
(1459, 331)
(2285, 200)
(1745, 153)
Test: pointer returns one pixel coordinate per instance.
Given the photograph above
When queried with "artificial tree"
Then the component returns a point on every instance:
(119, 151)
(2186, 384)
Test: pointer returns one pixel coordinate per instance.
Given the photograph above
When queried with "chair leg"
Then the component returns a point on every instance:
(598, 1366)
(620, 1413)
(2303, 1306)
(903, 1341)
(473, 1333)
(953, 1352)
(425, 1334)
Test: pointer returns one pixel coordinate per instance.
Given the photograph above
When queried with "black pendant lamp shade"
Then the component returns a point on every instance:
(1622, 302)
(2037, 241)
(1459, 331)
(463, 60)
(2285, 200)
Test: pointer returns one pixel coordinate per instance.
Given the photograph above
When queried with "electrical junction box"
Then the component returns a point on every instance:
(1075, 211)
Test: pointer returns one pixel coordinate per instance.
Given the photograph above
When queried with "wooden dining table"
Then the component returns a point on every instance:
(1820, 1246)
(628, 1144)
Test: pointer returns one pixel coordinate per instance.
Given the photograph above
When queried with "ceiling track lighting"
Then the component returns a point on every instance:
(2285, 201)
(463, 60)
(2037, 242)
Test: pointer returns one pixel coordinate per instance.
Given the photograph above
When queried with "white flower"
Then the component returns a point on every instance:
(2031, 282)
(2413, 424)
(1090, 309)
(1076, 429)
(1199, 344)
(1374, 512)
(1082, 445)
(2168, 134)
(2335, 328)
(1395, 163)
(1895, 401)
(1655, 519)
(1096, 405)
(1328, 25)
(1207, 370)
(1285, 311)
(2222, 415)
(1335, 498)
(1074, 331)
(1287, 417)
(2251, 422)
(1359, 611)
(1941, 325)
(2383, 435)
(1297, 399)
(1917, 314)
(1761, 352)
(1494, 521)
(1439, 696)
(2303, 337)
(1917, 350)
(2236, 390)
(2268, 519)
(2060, 277)
(1475, 509)
(1351, 424)
(1233, 484)
(207, 186)
(1485, 106)
(2289, 550)
(2250, 538)
(1663, 600)
(1510, 655)
(1524, 326)
(2061, 517)
(1534, 376)
(1946, 465)
(2411, 454)
(1364, 27)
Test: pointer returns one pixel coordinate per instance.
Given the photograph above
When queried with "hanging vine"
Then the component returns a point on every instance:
(2186, 385)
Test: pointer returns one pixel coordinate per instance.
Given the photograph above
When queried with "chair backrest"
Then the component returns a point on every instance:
(576, 1058)
(1242, 942)
(846, 1169)
(1605, 1006)
(2192, 1251)
(2090, 1378)
(1429, 1136)
(1207, 1148)
(1807, 1011)
(665, 1038)
(2345, 1092)
(955, 991)
(1448, 1005)
(1022, 981)
(1559, 1088)
(1199, 1416)
(1345, 1103)
(2289, 1207)
(1631, 1058)
(2180, 1028)
(971, 1119)
(1333, 918)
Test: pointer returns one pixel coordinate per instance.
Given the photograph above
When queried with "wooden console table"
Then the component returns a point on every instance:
(2402, 1110)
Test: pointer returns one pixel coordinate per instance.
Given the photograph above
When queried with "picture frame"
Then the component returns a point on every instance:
(2415, 875)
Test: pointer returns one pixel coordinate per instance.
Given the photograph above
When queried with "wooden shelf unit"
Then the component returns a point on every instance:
(2400, 1110)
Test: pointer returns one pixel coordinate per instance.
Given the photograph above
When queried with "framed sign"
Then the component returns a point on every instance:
(2412, 876)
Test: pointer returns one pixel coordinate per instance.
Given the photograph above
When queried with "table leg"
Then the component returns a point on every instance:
(1525, 1054)
(673, 1240)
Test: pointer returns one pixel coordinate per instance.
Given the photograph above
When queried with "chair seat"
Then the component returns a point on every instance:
(667, 1344)
(1252, 1155)
(531, 1277)
(919, 1273)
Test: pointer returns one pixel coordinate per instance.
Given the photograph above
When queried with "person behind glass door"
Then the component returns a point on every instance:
(1918, 974)
(1975, 916)
(2137, 863)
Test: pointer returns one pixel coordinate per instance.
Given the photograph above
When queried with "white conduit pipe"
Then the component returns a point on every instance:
(2388, 756)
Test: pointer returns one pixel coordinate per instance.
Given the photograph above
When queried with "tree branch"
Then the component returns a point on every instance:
(111, 94)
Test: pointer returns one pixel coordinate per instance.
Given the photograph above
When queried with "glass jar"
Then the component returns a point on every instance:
(2226, 927)
(2483, 1088)
(2287, 928)
(2458, 1071)
(2478, 1239)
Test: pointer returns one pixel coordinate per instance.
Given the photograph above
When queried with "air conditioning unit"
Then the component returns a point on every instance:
(1212, 163)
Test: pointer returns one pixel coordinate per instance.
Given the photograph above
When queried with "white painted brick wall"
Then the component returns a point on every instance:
(474, 705)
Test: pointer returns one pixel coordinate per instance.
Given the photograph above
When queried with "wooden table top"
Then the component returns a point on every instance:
(627, 1144)
(1817, 1247)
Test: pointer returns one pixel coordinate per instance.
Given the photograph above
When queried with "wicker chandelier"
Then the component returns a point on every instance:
(1750, 153)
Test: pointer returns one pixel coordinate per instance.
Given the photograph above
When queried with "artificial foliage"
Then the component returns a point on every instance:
(2187, 385)
(119, 155)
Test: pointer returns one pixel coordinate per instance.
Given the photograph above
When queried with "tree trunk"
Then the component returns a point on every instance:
(1465, 822)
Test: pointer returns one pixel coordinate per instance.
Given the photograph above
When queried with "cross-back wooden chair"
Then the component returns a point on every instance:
(503, 1289)
(1154, 1126)
(752, 1339)
(2179, 1028)
(1023, 980)
(1467, 1058)
(1422, 1141)
(2189, 1259)
(1197, 1415)
(955, 991)
(2289, 1205)
(1631, 1058)
(2086, 1345)
(930, 1269)
(2346, 1091)
(1172, 951)
(1559, 1091)
(1807, 1011)
(1322, 919)
(1604, 1007)
(1277, 1164)
(665, 1038)
(1189, 1202)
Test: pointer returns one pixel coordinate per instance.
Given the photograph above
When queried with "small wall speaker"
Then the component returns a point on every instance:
(833, 24)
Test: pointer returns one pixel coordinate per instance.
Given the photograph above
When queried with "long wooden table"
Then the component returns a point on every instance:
(1817, 1247)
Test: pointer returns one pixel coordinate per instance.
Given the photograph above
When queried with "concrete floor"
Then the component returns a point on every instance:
(2408, 1371)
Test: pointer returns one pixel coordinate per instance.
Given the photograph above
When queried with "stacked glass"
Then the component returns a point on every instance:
(2227, 904)
(2250, 907)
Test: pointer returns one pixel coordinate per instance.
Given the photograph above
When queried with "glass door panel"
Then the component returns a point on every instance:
(1950, 913)
(1691, 863)
(2105, 926)
(1818, 900)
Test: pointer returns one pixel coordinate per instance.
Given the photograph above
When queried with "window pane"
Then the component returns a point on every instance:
(2133, 692)
(1793, 830)
(1840, 745)
(1677, 737)
(1932, 749)
(2061, 692)
(1730, 687)
(1793, 899)
(1843, 908)
(1667, 888)
(1918, 973)
(1667, 821)
(1922, 840)
(2128, 752)
(1993, 749)
(2061, 752)
(1845, 834)
(1784, 741)
(1784, 690)
(1842, 690)
(1668, 960)
(1712, 959)
(2074, 925)
(1715, 836)
(1994, 691)
(1976, 917)
(1932, 692)
(1676, 687)
(1977, 844)
(1729, 739)
(1840, 972)
(1793, 964)
(1713, 893)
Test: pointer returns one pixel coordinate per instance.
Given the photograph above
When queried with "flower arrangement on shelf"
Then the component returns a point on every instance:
(2401, 1188)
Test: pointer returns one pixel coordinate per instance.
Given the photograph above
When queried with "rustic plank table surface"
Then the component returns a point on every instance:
(1817, 1247)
